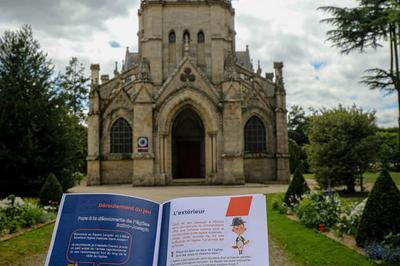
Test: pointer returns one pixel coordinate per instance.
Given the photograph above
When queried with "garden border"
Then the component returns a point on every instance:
(23, 231)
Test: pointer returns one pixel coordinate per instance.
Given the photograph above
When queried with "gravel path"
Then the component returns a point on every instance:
(277, 255)
(161, 194)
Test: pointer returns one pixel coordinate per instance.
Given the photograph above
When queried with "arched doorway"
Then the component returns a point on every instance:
(188, 146)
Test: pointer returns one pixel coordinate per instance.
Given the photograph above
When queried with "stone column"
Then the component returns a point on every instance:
(212, 142)
(213, 138)
(163, 143)
(143, 161)
(282, 149)
(94, 128)
(151, 46)
(232, 154)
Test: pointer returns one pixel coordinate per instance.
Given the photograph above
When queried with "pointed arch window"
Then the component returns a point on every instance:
(186, 36)
(200, 37)
(172, 37)
(121, 137)
(255, 136)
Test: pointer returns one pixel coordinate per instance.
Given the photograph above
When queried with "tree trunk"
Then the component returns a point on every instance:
(398, 119)
(351, 185)
(397, 82)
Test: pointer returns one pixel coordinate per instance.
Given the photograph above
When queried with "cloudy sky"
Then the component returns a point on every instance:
(316, 74)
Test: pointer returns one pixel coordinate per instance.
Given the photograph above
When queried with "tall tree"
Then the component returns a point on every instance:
(342, 145)
(37, 136)
(297, 125)
(74, 87)
(388, 154)
(369, 25)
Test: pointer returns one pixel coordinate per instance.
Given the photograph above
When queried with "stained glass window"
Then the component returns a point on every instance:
(200, 37)
(172, 37)
(121, 137)
(255, 136)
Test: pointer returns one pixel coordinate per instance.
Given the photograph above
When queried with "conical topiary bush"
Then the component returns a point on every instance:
(381, 215)
(297, 187)
(51, 190)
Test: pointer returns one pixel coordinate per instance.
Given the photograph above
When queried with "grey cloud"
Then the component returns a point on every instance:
(74, 21)
(339, 80)
(73, 18)
(268, 41)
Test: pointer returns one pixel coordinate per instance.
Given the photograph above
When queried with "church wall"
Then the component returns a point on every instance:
(152, 50)
(221, 34)
(232, 134)
(93, 172)
(143, 120)
(259, 169)
(116, 171)
(93, 136)
(151, 40)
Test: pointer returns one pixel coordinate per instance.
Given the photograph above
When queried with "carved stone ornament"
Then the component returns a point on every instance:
(230, 67)
(269, 76)
(278, 75)
(187, 75)
(144, 70)
(94, 101)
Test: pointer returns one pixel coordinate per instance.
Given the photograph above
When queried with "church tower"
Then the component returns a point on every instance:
(187, 107)
(171, 29)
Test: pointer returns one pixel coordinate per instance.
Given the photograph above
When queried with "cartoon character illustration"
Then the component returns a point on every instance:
(239, 229)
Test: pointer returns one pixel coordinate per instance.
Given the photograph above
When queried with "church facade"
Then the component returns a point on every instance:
(187, 107)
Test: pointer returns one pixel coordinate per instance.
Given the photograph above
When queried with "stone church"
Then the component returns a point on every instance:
(187, 107)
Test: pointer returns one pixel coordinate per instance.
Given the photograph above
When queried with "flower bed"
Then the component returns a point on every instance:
(17, 214)
(338, 220)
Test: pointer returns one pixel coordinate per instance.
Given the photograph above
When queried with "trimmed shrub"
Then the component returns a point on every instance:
(381, 215)
(51, 190)
(297, 188)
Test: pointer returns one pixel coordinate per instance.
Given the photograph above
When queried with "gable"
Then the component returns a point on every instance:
(255, 97)
(187, 75)
(120, 100)
(232, 92)
(143, 95)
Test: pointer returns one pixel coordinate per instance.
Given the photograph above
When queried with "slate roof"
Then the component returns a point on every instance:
(243, 58)
(131, 59)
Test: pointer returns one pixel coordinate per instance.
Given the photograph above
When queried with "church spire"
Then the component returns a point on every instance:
(259, 70)
(116, 69)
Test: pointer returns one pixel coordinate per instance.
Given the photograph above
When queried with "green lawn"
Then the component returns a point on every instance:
(308, 176)
(369, 177)
(28, 244)
(307, 246)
